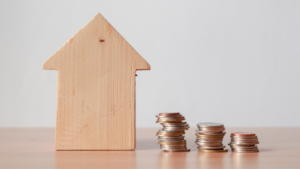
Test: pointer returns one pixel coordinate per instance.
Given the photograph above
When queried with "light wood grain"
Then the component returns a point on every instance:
(34, 149)
(96, 89)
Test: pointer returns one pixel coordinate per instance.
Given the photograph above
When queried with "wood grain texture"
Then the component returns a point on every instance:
(96, 89)
(34, 149)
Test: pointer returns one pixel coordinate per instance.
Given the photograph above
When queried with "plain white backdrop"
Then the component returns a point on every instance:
(235, 62)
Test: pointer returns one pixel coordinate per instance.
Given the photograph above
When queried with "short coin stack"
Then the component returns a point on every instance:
(171, 137)
(243, 142)
(210, 136)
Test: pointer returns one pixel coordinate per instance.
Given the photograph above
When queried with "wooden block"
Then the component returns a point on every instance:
(96, 89)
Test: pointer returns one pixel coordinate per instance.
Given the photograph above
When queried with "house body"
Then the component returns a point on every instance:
(96, 89)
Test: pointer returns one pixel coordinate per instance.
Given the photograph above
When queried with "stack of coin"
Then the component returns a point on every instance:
(210, 136)
(243, 142)
(170, 137)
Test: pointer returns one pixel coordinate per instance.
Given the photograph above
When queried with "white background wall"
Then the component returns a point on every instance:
(236, 62)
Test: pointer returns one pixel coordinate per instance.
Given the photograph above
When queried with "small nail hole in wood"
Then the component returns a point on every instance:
(101, 40)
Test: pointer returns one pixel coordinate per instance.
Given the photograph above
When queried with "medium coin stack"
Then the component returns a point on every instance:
(210, 136)
(170, 137)
(243, 142)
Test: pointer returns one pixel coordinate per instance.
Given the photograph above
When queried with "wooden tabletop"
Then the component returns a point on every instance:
(34, 148)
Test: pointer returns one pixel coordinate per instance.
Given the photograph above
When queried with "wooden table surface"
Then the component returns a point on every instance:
(34, 148)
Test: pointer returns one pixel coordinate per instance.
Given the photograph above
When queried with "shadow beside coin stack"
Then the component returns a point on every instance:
(243, 142)
(171, 137)
(210, 137)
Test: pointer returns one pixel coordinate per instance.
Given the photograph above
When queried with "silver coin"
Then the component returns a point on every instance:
(175, 127)
(245, 146)
(175, 134)
(171, 137)
(252, 138)
(210, 124)
(162, 131)
(210, 132)
(246, 151)
(170, 117)
(172, 147)
(167, 147)
(209, 140)
(243, 137)
(244, 143)
(182, 142)
(175, 145)
(175, 124)
(183, 126)
(186, 150)
(209, 143)
(169, 120)
(170, 141)
(210, 128)
(173, 130)
(211, 147)
(238, 149)
(210, 136)
(174, 150)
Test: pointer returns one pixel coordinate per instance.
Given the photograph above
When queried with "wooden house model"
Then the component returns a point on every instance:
(96, 89)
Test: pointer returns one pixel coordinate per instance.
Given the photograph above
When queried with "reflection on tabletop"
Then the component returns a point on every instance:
(239, 160)
(214, 160)
(172, 160)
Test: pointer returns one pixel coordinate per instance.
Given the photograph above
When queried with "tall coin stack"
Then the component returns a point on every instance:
(210, 136)
(243, 142)
(170, 137)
